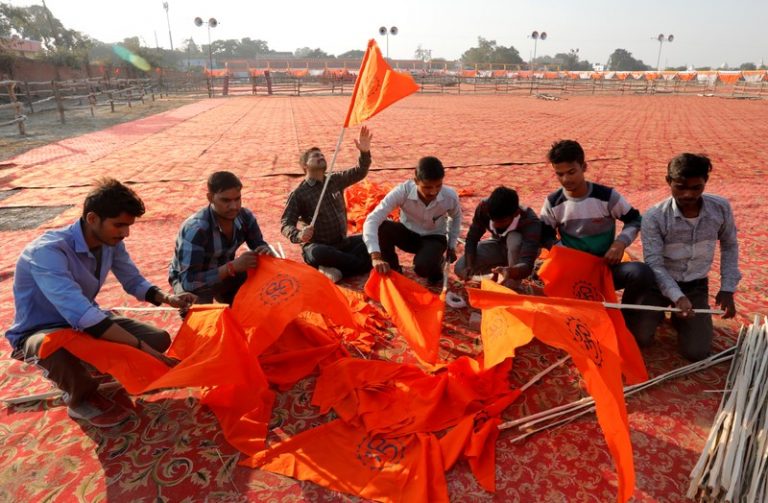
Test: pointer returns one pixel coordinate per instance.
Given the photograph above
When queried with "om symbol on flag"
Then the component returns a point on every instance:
(583, 335)
(377, 452)
(585, 290)
(280, 289)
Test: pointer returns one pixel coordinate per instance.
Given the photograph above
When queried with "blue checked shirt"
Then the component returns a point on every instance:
(56, 283)
(201, 248)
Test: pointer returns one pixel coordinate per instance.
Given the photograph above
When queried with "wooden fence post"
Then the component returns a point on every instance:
(29, 97)
(59, 103)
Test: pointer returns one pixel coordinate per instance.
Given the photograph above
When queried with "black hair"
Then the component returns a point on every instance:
(304, 157)
(503, 202)
(688, 165)
(223, 180)
(430, 168)
(110, 199)
(566, 151)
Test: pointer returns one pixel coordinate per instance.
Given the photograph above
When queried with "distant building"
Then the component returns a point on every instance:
(21, 46)
(598, 67)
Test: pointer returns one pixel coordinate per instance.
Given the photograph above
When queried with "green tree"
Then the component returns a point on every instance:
(252, 48)
(306, 52)
(744, 67)
(354, 53)
(488, 51)
(622, 60)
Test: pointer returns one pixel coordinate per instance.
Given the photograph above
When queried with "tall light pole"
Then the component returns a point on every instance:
(168, 19)
(662, 39)
(385, 32)
(212, 23)
(536, 36)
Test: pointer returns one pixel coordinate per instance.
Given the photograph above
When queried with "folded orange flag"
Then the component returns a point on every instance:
(586, 332)
(389, 398)
(377, 87)
(345, 458)
(274, 294)
(416, 312)
(214, 356)
(575, 274)
(361, 199)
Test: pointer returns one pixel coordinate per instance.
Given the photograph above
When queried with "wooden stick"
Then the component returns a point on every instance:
(544, 372)
(328, 176)
(55, 393)
(127, 309)
(641, 307)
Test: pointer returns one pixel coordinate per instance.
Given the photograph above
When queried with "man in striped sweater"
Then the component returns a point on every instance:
(583, 215)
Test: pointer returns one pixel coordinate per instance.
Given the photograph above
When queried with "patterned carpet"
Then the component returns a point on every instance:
(174, 450)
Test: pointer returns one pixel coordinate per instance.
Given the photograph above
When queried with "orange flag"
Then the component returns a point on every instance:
(346, 458)
(498, 342)
(585, 331)
(576, 274)
(274, 294)
(214, 356)
(416, 312)
(377, 86)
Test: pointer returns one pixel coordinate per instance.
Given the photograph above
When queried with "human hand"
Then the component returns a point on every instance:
(381, 266)
(615, 253)
(306, 233)
(685, 307)
(246, 261)
(167, 360)
(263, 250)
(450, 254)
(363, 144)
(181, 301)
(726, 303)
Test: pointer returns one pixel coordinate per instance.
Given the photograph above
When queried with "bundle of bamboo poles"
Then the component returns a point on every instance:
(733, 466)
(564, 414)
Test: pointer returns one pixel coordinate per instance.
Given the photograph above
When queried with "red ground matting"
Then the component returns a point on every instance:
(174, 448)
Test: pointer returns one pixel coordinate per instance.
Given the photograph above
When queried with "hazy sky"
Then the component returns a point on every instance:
(707, 32)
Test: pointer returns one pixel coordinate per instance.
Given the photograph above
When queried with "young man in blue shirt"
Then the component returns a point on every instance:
(57, 279)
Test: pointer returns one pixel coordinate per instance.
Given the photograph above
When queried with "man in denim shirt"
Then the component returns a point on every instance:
(57, 279)
(679, 237)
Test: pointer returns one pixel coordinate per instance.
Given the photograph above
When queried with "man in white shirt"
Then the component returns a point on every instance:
(430, 221)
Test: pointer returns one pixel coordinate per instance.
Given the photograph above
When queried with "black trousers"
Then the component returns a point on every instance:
(694, 334)
(350, 256)
(428, 250)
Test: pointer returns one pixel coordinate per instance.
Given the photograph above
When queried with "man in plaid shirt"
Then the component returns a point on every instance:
(204, 262)
(326, 245)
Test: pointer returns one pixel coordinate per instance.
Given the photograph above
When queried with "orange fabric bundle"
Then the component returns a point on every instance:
(498, 342)
(276, 292)
(214, 356)
(393, 398)
(575, 274)
(585, 331)
(376, 87)
(301, 348)
(346, 458)
(416, 312)
(361, 199)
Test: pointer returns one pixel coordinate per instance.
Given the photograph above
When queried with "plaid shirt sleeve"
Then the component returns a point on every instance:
(290, 218)
(480, 222)
(191, 248)
(353, 175)
(530, 228)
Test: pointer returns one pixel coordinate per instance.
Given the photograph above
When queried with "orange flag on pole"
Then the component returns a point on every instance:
(377, 86)
(416, 312)
(584, 330)
(575, 274)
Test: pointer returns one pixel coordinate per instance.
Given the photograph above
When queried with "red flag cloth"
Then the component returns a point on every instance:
(416, 312)
(214, 356)
(575, 274)
(377, 86)
(346, 458)
(274, 294)
(585, 331)
(389, 398)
